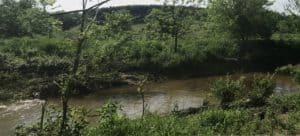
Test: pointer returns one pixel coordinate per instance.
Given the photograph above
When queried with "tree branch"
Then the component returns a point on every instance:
(77, 11)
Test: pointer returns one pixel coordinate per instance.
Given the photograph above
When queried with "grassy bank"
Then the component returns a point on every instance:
(29, 66)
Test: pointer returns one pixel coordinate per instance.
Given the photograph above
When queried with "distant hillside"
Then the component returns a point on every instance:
(139, 12)
(72, 20)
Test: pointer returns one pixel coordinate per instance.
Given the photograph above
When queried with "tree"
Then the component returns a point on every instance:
(294, 6)
(24, 18)
(69, 20)
(116, 24)
(282, 28)
(170, 21)
(46, 3)
(9, 24)
(33, 21)
(68, 86)
(241, 19)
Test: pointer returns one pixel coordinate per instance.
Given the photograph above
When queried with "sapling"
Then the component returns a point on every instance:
(44, 105)
(141, 91)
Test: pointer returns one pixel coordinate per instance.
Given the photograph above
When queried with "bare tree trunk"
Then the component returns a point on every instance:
(175, 42)
(65, 98)
(81, 41)
(141, 92)
(42, 116)
(175, 29)
(80, 44)
(64, 117)
(143, 100)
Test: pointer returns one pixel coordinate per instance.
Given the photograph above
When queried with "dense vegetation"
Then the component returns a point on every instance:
(75, 53)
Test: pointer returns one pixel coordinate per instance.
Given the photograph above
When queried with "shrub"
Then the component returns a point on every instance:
(76, 126)
(228, 89)
(42, 55)
(26, 47)
(284, 103)
(293, 123)
(245, 91)
(5, 95)
(291, 70)
(260, 89)
(228, 122)
(109, 121)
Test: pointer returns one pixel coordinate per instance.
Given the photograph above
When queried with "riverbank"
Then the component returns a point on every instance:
(167, 101)
(162, 98)
(31, 66)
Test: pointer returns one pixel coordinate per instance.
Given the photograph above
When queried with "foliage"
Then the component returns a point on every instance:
(108, 120)
(24, 18)
(171, 21)
(43, 56)
(209, 122)
(161, 23)
(117, 24)
(123, 55)
(283, 26)
(227, 122)
(76, 125)
(69, 21)
(249, 92)
(228, 89)
(291, 70)
(241, 19)
(294, 6)
(31, 65)
(285, 103)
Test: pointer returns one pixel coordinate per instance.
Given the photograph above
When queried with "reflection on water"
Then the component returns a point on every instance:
(160, 98)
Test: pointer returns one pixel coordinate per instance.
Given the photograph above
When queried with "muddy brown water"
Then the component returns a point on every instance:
(161, 98)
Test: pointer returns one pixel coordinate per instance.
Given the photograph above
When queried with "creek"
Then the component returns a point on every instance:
(161, 98)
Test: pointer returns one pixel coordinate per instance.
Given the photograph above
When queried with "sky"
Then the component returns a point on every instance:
(68, 5)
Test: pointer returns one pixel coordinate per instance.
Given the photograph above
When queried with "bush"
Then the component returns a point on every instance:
(293, 123)
(143, 54)
(228, 89)
(291, 70)
(27, 47)
(37, 56)
(5, 95)
(284, 103)
(76, 126)
(245, 91)
(225, 122)
(46, 65)
(260, 89)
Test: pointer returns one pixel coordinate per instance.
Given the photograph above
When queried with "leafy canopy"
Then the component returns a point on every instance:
(242, 19)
